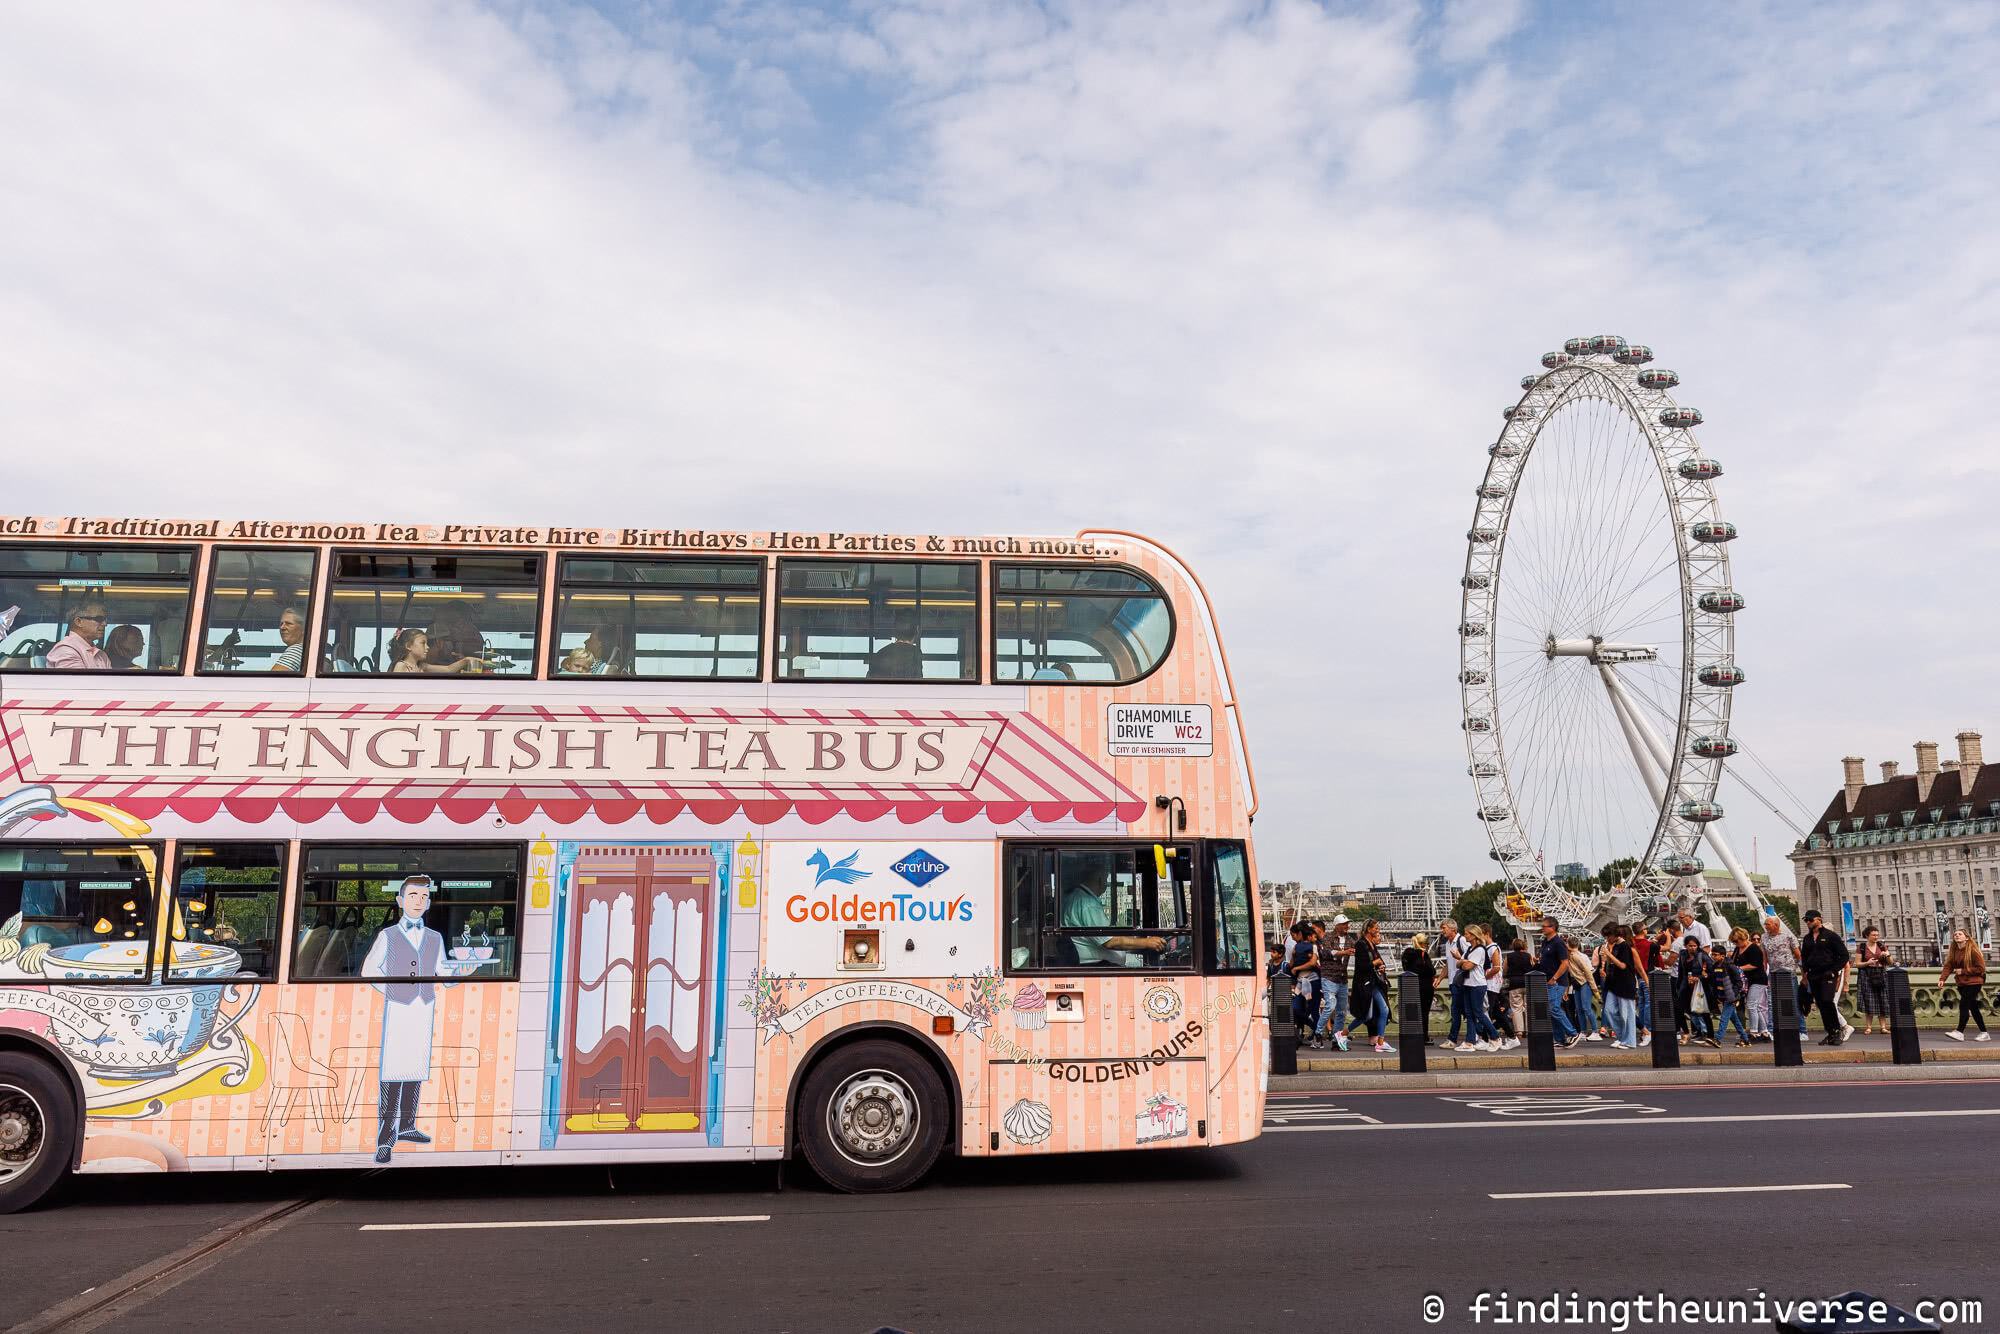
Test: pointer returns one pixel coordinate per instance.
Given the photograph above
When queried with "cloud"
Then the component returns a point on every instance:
(1257, 278)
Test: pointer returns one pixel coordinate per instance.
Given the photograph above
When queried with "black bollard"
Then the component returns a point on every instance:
(1541, 1035)
(1666, 1042)
(1903, 1047)
(1785, 1019)
(1284, 1033)
(1410, 1036)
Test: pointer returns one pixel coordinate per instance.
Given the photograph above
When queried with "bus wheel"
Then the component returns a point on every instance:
(873, 1116)
(37, 1130)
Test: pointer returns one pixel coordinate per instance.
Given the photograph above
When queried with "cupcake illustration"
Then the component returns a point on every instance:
(1031, 1008)
(1027, 1122)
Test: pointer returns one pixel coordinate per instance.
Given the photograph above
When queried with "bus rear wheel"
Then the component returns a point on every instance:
(873, 1116)
(37, 1130)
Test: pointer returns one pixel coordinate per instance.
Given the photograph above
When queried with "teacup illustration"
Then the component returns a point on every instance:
(147, 1031)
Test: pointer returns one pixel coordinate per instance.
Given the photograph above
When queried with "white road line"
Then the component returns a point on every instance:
(489, 1224)
(1498, 1124)
(1668, 1190)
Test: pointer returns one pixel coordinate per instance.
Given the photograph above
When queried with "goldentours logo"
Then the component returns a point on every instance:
(841, 872)
(920, 868)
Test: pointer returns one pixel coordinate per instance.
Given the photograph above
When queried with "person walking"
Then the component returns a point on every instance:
(1748, 956)
(1371, 987)
(1478, 956)
(1514, 971)
(1583, 990)
(1781, 953)
(1455, 983)
(1965, 964)
(1335, 953)
(1553, 961)
(1694, 977)
(1302, 968)
(1417, 959)
(1621, 987)
(1824, 956)
(1872, 966)
(1730, 989)
(1642, 954)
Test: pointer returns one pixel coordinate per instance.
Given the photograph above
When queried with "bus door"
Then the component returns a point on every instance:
(636, 990)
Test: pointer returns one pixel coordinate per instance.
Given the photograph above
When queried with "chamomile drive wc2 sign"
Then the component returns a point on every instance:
(1160, 730)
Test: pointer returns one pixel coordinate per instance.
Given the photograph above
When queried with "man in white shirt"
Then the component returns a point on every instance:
(1694, 926)
(1083, 905)
(406, 958)
(292, 631)
(78, 650)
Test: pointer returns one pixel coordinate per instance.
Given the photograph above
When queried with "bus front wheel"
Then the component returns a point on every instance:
(37, 1130)
(873, 1116)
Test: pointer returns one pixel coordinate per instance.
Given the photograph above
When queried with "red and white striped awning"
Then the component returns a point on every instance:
(1007, 766)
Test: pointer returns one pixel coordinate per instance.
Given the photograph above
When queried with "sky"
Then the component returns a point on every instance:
(1254, 278)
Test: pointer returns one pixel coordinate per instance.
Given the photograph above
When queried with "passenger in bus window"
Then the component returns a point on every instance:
(455, 638)
(900, 659)
(123, 646)
(78, 649)
(595, 656)
(292, 630)
(411, 652)
(1083, 905)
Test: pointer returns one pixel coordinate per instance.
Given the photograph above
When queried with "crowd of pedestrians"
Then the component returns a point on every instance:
(1601, 994)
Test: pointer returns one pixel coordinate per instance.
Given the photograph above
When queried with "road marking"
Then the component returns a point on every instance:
(484, 1225)
(1554, 1104)
(1282, 1115)
(1668, 1190)
(1650, 1121)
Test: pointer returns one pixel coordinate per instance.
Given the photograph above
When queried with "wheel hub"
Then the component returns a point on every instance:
(20, 1132)
(873, 1117)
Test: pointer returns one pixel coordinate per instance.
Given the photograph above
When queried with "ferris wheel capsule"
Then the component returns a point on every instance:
(1506, 852)
(1638, 354)
(1679, 866)
(1713, 530)
(1483, 769)
(1495, 814)
(1721, 674)
(1698, 812)
(1476, 581)
(1493, 491)
(1720, 601)
(1658, 379)
(1519, 412)
(1577, 347)
(1483, 535)
(1530, 381)
(1478, 722)
(1700, 470)
(1609, 345)
(1471, 629)
(1555, 360)
(1713, 747)
(1504, 449)
(1472, 676)
(1680, 418)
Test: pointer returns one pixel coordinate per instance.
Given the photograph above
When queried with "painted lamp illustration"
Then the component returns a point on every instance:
(128, 1032)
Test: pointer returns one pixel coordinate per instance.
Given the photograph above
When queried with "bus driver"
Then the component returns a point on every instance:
(1083, 905)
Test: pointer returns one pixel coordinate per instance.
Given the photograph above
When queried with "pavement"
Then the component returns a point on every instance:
(1350, 1212)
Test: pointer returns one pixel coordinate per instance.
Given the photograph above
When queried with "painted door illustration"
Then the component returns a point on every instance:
(642, 922)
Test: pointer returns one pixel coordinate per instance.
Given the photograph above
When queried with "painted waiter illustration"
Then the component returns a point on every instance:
(406, 955)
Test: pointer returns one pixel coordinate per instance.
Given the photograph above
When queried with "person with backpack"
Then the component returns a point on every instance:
(1476, 956)
(1729, 993)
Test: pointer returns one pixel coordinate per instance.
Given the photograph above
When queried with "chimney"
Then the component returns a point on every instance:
(1853, 766)
(1888, 770)
(1970, 758)
(1927, 768)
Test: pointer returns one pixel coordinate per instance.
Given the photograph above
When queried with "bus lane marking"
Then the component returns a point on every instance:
(1661, 1190)
(1554, 1104)
(491, 1224)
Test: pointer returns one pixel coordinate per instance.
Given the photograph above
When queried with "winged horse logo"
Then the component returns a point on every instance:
(841, 872)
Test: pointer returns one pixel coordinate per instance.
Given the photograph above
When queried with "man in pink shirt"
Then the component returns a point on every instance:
(78, 650)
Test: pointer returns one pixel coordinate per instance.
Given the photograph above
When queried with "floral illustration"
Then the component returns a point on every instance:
(988, 995)
(767, 998)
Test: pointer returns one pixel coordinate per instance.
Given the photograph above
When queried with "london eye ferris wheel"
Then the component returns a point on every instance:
(1597, 661)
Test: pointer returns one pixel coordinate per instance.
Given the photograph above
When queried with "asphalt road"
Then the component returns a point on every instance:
(1352, 1210)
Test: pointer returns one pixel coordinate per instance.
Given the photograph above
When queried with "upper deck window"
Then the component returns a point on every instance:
(259, 607)
(659, 619)
(1081, 623)
(432, 613)
(877, 621)
(79, 609)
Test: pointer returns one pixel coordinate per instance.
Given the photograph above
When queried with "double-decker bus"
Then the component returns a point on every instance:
(328, 845)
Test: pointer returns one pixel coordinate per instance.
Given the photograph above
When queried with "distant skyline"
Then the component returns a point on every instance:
(1255, 278)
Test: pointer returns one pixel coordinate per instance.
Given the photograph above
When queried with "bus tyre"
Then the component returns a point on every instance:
(873, 1116)
(38, 1129)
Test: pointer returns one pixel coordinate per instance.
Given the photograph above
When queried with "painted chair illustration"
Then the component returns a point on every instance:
(295, 1073)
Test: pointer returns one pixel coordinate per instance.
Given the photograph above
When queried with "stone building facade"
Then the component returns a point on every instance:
(1916, 854)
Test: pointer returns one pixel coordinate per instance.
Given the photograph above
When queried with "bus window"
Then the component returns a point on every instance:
(258, 610)
(877, 621)
(1077, 623)
(71, 609)
(1101, 908)
(226, 910)
(659, 620)
(1229, 940)
(427, 614)
(465, 895)
(75, 911)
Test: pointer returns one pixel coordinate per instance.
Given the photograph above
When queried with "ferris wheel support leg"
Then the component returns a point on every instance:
(1633, 721)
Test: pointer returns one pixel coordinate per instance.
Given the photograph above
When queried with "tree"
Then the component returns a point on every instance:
(1480, 906)
(1365, 911)
(1615, 873)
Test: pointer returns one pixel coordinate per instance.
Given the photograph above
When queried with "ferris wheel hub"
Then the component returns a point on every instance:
(1599, 650)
